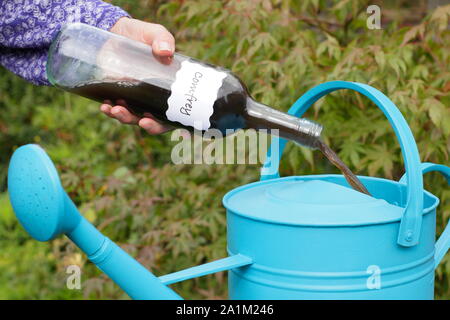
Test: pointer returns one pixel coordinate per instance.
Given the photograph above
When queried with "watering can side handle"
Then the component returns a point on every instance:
(443, 244)
(428, 167)
(411, 222)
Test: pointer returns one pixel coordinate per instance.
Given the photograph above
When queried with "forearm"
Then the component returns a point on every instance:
(27, 29)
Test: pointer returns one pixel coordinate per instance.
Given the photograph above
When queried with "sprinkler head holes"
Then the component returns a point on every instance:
(36, 194)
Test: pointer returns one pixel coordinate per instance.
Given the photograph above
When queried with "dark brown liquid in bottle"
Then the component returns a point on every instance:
(138, 97)
(351, 178)
(151, 95)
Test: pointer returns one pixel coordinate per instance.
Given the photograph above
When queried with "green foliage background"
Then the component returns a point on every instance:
(170, 216)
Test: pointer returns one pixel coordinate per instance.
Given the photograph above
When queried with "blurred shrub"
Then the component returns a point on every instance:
(170, 216)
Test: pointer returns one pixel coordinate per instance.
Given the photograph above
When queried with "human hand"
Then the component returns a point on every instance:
(163, 47)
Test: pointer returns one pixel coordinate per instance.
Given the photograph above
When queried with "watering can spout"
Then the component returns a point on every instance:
(228, 263)
(46, 211)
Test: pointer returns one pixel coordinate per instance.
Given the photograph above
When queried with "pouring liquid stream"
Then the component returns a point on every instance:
(351, 178)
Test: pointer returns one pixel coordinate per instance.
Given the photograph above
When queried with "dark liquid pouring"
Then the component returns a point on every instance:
(351, 178)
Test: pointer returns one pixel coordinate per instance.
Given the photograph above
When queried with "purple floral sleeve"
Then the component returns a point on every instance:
(27, 27)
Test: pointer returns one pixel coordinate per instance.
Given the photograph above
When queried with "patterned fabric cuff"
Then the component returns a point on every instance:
(28, 58)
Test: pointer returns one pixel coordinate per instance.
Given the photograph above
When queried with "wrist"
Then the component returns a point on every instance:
(120, 24)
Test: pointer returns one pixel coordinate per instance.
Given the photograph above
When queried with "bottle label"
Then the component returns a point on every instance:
(194, 92)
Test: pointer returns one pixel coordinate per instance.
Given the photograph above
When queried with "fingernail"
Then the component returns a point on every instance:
(117, 114)
(164, 46)
(146, 125)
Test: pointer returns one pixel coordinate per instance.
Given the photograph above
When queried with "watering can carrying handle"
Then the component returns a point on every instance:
(443, 243)
(411, 222)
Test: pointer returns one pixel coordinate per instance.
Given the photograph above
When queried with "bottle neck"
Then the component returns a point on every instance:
(302, 131)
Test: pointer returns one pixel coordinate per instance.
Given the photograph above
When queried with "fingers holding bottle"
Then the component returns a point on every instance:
(124, 116)
(153, 34)
(163, 47)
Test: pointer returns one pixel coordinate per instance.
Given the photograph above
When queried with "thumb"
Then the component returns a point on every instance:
(161, 40)
(156, 35)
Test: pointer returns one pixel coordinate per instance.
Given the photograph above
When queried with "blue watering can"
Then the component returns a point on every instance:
(301, 237)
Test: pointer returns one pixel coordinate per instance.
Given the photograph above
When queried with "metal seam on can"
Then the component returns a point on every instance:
(355, 274)
(337, 275)
(336, 288)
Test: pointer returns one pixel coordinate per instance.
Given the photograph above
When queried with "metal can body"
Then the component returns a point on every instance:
(359, 261)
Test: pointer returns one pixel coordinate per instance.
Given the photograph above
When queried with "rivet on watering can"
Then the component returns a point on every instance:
(409, 236)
